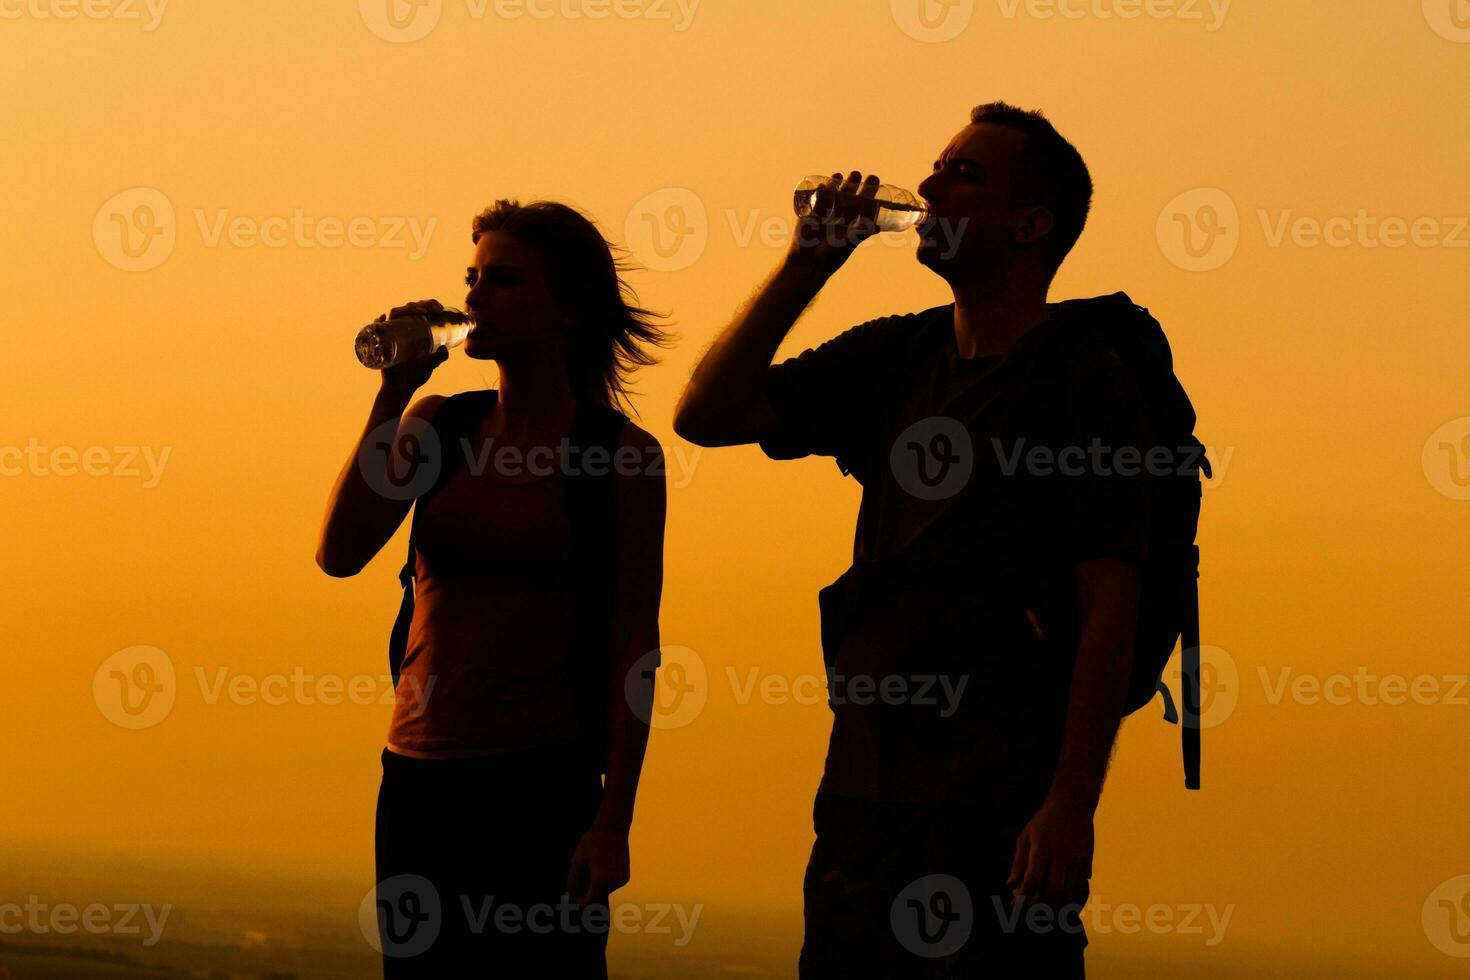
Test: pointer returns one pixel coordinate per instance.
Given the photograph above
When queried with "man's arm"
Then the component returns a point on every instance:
(1108, 513)
(1054, 853)
(1107, 608)
(723, 404)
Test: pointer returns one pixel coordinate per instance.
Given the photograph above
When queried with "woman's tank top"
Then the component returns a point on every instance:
(488, 664)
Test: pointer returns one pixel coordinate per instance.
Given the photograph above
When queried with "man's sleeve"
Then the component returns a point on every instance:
(1109, 436)
(824, 398)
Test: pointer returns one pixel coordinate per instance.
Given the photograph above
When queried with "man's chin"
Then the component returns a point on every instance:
(932, 256)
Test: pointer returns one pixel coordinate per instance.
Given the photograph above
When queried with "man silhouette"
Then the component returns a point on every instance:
(979, 648)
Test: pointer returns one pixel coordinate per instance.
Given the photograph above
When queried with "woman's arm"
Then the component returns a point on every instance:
(600, 864)
(360, 519)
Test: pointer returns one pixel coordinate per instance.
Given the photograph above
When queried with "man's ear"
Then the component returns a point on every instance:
(1032, 224)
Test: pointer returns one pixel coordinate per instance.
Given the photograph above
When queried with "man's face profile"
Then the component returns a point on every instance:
(972, 224)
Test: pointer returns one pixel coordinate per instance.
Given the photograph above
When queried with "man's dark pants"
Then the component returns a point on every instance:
(905, 890)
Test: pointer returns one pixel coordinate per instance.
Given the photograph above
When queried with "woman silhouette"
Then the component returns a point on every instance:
(527, 668)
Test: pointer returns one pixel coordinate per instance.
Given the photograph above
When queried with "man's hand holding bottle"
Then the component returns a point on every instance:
(842, 215)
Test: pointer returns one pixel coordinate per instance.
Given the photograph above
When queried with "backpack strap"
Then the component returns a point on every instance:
(1189, 679)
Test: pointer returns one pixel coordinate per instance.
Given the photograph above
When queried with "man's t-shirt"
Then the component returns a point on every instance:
(941, 685)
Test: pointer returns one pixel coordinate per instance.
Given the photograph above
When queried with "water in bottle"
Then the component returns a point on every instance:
(898, 209)
(405, 338)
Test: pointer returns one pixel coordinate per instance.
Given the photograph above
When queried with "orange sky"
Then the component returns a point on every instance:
(304, 173)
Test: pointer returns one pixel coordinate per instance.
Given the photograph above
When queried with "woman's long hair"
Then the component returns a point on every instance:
(609, 341)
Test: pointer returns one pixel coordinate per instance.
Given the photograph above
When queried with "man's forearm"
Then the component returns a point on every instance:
(1108, 613)
(729, 375)
(1094, 714)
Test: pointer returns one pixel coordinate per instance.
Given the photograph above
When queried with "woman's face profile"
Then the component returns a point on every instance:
(508, 295)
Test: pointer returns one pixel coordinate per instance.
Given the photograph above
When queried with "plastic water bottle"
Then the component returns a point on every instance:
(406, 338)
(898, 209)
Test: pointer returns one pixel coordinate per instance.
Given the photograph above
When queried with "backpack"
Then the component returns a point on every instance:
(1169, 597)
(590, 512)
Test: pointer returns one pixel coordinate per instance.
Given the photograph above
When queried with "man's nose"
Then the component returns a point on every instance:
(929, 190)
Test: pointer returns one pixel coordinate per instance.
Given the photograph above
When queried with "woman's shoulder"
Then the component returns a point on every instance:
(635, 436)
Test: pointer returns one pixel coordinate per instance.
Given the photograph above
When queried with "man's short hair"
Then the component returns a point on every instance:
(1049, 173)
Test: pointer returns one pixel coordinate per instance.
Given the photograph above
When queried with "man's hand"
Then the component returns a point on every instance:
(1053, 855)
(599, 865)
(843, 217)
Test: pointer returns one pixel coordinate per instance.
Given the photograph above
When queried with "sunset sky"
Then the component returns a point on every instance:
(203, 201)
